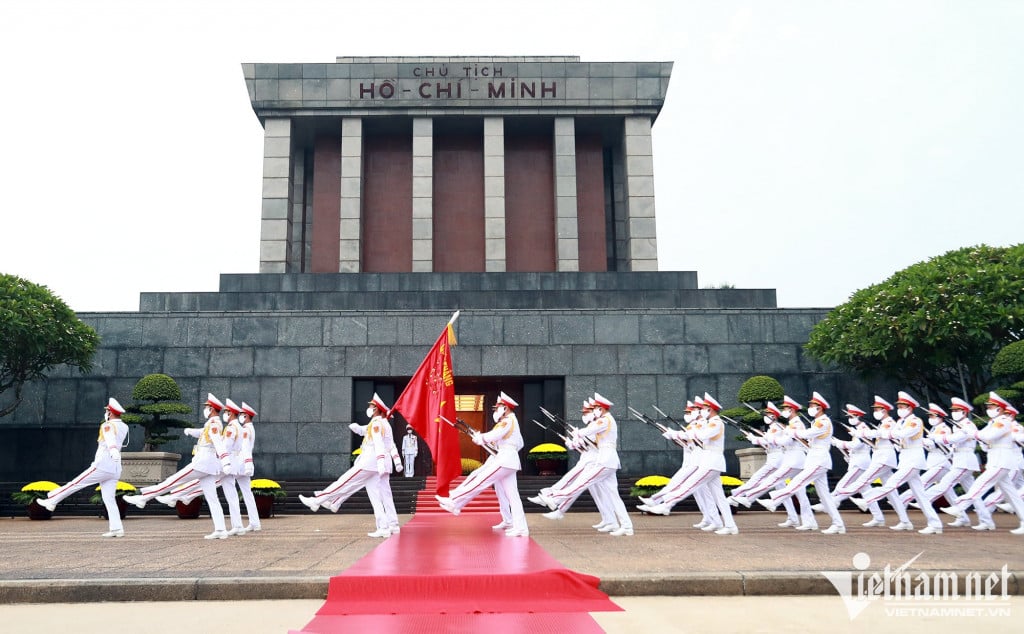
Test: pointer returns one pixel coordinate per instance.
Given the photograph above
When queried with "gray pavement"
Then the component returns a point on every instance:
(163, 558)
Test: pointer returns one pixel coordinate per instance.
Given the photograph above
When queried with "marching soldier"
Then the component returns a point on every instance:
(857, 451)
(773, 462)
(374, 461)
(937, 459)
(209, 461)
(709, 468)
(793, 457)
(883, 461)
(909, 433)
(817, 463)
(1004, 459)
(964, 462)
(244, 477)
(506, 436)
(104, 470)
(232, 432)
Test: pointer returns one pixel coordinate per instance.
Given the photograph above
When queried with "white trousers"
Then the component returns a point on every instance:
(709, 480)
(410, 464)
(863, 486)
(945, 488)
(1001, 479)
(503, 479)
(911, 476)
(851, 476)
(108, 485)
(818, 477)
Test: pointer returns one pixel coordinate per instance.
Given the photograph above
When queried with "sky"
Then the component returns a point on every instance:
(812, 147)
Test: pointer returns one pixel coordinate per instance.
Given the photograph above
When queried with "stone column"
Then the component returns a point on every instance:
(567, 248)
(297, 221)
(275, 224)
(494, 194)
(422, 194)
(639, 163)
(350, 231)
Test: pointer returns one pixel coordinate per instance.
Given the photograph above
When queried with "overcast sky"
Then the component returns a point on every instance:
(813, 147)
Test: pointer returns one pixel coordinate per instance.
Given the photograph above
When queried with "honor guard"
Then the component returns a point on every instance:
(374, 461)
(1004, 459)
(773, 462)
(709, 468)
(209, 460)
(937, 457)
(232, 433)
(506, 437)
(908, 432)
(410, 449)
(963, 463)
(883, 461)
(817, 463)
(857, 452)
(104, 470)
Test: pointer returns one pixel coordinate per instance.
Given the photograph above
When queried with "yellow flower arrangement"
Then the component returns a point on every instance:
(469, 465)
(648, 485)
(263, 486)
(33, 491)
(547, 451)
(123, 488)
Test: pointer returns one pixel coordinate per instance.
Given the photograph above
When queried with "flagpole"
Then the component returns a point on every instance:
(454, 317)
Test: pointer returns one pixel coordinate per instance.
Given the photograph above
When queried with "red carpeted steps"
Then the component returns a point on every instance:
(485, 502)
(454, 574)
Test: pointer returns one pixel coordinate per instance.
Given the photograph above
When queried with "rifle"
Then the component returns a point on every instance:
(464, 427)
(555, 418)
(664, 415)
(565, 439)
(795, 437)
(653, 423)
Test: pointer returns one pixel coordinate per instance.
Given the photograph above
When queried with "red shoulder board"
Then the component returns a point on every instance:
(106, 428)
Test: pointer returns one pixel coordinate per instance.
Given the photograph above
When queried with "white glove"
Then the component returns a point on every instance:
(228, 469)
(115, 454)
(250, 469)
(667, 434)
(478, 439)
(382, 466)
(195, 433)
(354, 427)
(398, 466)
(929, 443)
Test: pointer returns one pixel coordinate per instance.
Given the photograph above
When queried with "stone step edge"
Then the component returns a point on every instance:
(751, 583)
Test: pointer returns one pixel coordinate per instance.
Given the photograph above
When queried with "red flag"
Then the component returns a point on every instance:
(429, 395)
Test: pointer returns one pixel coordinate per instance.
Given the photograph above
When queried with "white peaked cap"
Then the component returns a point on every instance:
(214, 402)
(602, 401)
(508, 401)
(229, 404)
(248, 409)
(114, 406)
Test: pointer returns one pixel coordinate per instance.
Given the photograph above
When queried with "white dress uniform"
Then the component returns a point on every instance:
(711, 519)
(600, 474)
(710, 466)
(232, 432)
(817, 463)
(963, 464)
(380, 495)
(410, 449)
(883, 461)
(909, 433)
(374, 460)
(773, 462)
(210, 459)
(500, 472)
(104, 470)
(1004, 460)
(858, 461)
(937, 459)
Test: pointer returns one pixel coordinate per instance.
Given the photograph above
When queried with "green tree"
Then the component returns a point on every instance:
(935, 326)
(1009, 362)
(157, 400)
(38, 332)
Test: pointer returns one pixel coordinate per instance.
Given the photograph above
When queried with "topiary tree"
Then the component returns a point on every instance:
(157, 400)
(37, 333)
(760, 389)
(1009, 362)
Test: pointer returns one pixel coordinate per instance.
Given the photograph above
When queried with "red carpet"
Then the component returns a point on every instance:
(452, 574)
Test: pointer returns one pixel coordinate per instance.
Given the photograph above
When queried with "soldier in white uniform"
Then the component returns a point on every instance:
(104, 470)
(909, 433)
(600, 474)
(710, 467)
(858, 460)
(588, 453)
(210, 459)
(410, 449)
(794, 451)
(374, 461)
(773, 462)
(964, 462)
(883, 461)
(232, 438)
(380, 495)
(1004, 459)
(818, 462)
(244, 478)
(501, 472)
(937, 458)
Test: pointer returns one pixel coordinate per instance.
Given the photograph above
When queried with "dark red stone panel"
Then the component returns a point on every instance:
(324, 248)
(590, 202)
(387, 203)
(529, 201)
(459, 202)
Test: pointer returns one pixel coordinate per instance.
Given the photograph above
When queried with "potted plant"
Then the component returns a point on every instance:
(123, 488)
(548, 457)
(32, 492)
(354, 455)
(156, 409)
(265, 492)
(755, 392)
(469, 466)
(648, 485)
